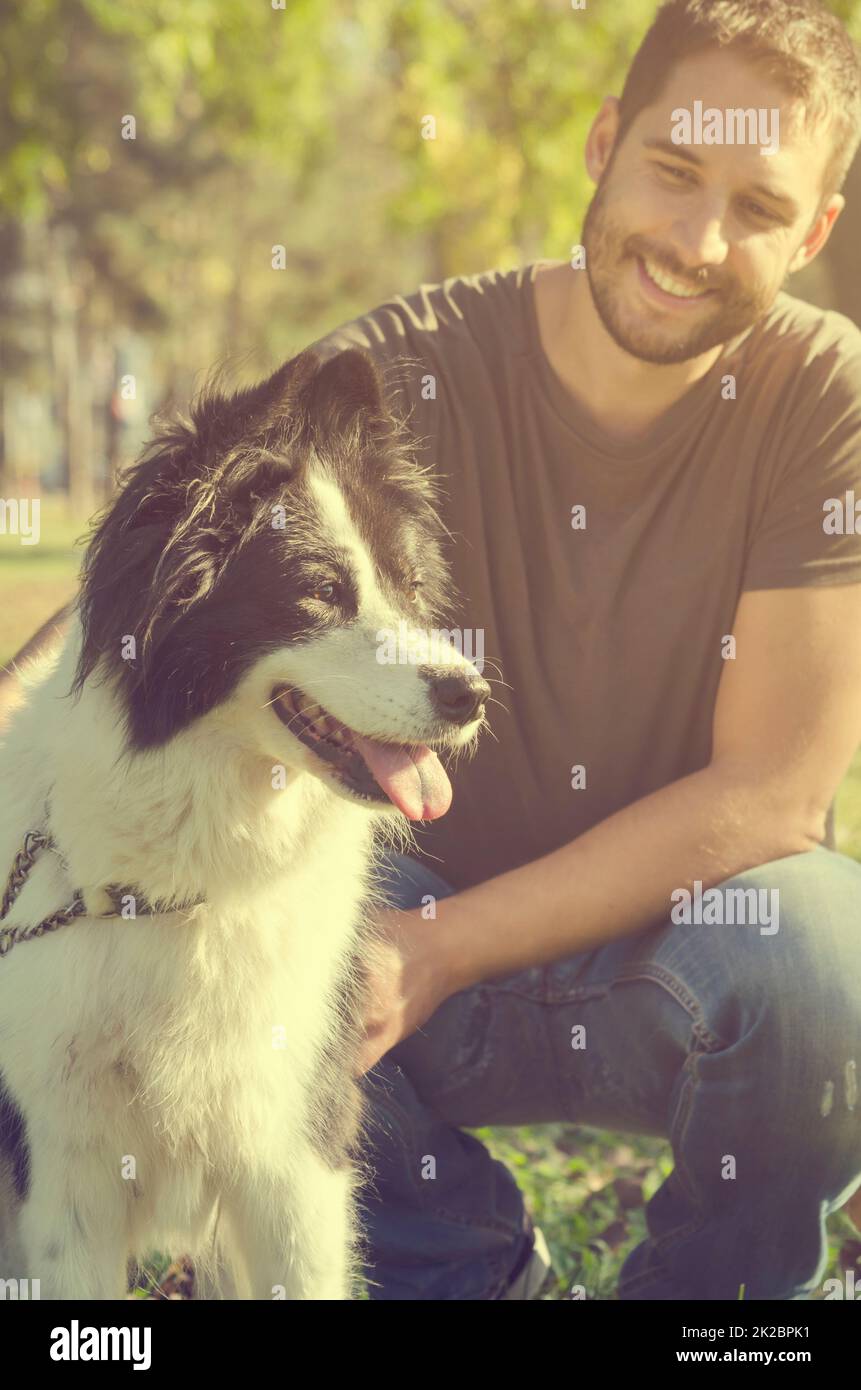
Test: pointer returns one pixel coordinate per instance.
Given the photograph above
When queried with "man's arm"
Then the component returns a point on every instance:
(787, 723)
(11, 689)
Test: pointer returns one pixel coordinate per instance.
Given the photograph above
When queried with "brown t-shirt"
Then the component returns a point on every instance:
(609, 636)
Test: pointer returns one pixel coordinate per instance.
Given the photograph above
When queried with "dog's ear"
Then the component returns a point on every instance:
(305, 403)
(303, 398)
(346, 387)
(249, 417)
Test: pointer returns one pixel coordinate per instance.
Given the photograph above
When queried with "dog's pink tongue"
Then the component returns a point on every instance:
(414, 779)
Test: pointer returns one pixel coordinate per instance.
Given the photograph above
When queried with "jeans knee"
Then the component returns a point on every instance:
(784, 1012)
(786, 949)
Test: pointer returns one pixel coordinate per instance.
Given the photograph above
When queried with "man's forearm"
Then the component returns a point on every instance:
(615, 879)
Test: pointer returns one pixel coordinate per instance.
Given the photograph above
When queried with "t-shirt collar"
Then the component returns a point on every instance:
(678, 419)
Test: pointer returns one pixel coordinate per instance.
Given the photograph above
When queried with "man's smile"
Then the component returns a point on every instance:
(661, 288)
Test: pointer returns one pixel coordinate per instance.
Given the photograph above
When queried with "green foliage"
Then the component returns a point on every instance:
(303, 127)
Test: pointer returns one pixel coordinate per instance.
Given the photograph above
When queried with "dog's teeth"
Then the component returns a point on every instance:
(318, 723)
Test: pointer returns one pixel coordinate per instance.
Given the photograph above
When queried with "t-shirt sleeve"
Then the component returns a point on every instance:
(808, 530)
(364, 332)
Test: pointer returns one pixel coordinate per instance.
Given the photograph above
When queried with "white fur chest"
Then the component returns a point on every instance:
(189, 1018)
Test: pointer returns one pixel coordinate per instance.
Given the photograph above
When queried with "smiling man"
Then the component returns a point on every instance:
(638, 455)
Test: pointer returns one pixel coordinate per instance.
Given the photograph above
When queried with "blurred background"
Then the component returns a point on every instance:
(154, 152)
(152, 155)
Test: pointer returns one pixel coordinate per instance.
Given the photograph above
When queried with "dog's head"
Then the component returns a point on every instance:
(261, 569)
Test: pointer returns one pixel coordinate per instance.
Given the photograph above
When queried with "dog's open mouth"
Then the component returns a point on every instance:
(409, 775)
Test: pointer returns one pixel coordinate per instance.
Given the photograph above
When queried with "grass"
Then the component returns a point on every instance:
(587, 1189)
(36, 580)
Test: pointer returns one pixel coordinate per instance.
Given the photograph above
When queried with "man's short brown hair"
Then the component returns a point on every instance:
(800, 44)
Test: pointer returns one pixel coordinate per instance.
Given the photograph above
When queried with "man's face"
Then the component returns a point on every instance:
(719, 224)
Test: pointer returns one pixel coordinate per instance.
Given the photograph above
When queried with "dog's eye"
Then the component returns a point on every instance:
(414, 590)
(325, 593)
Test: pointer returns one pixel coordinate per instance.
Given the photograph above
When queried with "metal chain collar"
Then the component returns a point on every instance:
(34, 842)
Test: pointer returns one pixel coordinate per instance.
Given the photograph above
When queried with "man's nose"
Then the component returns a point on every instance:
(699, 240)
(458, 696)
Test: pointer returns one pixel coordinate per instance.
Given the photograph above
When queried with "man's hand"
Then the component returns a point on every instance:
(406, 982)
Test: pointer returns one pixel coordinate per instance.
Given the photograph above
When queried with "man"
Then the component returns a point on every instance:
(650, 462)
(651, 466)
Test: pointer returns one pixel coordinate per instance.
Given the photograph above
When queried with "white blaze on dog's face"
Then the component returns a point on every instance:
(366, 723)
(263, 557)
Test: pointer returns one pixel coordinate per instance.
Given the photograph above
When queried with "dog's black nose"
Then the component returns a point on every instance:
(459, 696)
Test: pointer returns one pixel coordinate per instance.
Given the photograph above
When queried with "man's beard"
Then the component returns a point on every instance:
(609, 248)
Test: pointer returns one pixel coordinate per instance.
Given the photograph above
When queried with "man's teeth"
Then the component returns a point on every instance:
(669, 284)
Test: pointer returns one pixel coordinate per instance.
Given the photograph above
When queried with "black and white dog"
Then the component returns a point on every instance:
(212, 759)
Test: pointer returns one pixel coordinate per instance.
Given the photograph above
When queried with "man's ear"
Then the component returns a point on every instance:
(818, 234)
(601, 140)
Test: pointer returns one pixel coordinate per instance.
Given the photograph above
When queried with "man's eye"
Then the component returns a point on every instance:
(678, 175)
(756, 210)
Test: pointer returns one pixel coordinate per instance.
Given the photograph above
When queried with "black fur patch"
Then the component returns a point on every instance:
(13, 1142)
(188, 562)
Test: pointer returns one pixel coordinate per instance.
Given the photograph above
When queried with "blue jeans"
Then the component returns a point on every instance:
(740, 1044)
